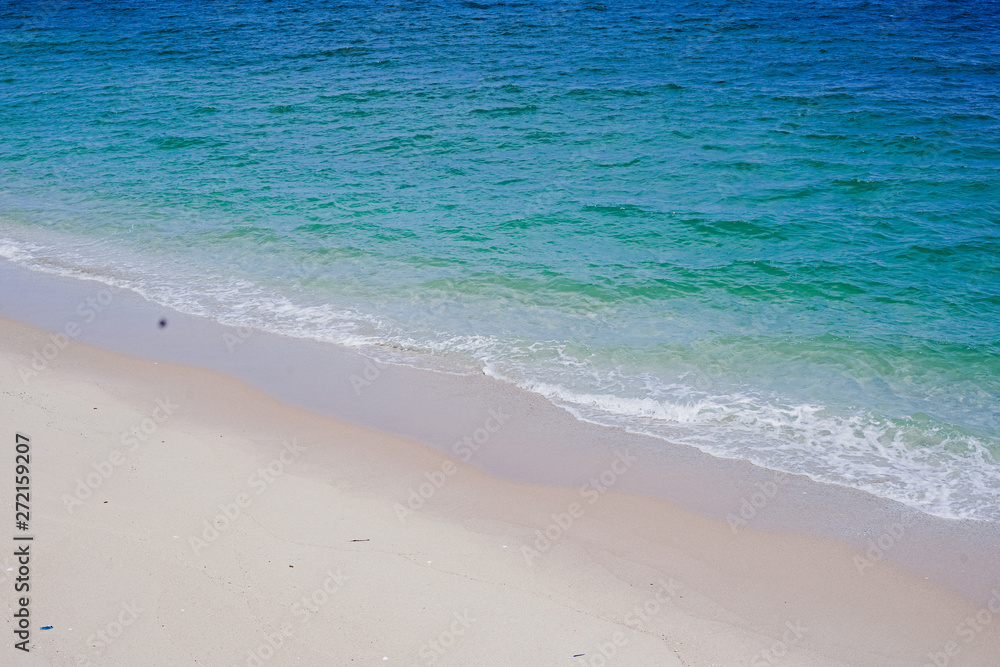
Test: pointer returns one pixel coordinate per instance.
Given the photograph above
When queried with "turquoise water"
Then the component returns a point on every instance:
(768, 230)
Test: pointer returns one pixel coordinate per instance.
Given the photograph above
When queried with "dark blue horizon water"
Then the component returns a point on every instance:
(768, 230)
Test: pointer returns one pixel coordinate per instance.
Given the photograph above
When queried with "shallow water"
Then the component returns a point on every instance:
(770, 231)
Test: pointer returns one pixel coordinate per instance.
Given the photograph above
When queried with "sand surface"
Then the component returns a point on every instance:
(181, 516)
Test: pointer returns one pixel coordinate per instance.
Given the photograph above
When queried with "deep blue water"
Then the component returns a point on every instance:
(770, 230)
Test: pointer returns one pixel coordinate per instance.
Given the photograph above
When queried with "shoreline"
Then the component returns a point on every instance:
(477, 459)
(539, 444)
(233, 526)
(544, 444)
(326, 369)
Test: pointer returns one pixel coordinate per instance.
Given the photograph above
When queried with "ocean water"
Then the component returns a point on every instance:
(770, 230)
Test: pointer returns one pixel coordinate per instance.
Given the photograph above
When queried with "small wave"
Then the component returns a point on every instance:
(331, 53)
(858, 185)
(175, 143)
(606, 93)
(621, 210)
(507, 111)
(20, 253)
(949, 475)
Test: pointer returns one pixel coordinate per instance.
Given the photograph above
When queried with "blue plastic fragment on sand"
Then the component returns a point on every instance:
(46, 627)
(579, 654)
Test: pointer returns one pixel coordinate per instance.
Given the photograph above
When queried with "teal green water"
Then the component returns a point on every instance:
(771, 231)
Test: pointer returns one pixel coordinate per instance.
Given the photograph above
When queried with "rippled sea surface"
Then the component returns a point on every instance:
(770, 230)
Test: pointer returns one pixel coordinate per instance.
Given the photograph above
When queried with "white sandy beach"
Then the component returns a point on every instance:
(182, 517)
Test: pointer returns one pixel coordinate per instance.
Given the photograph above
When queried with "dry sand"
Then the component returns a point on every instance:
(232, 529)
